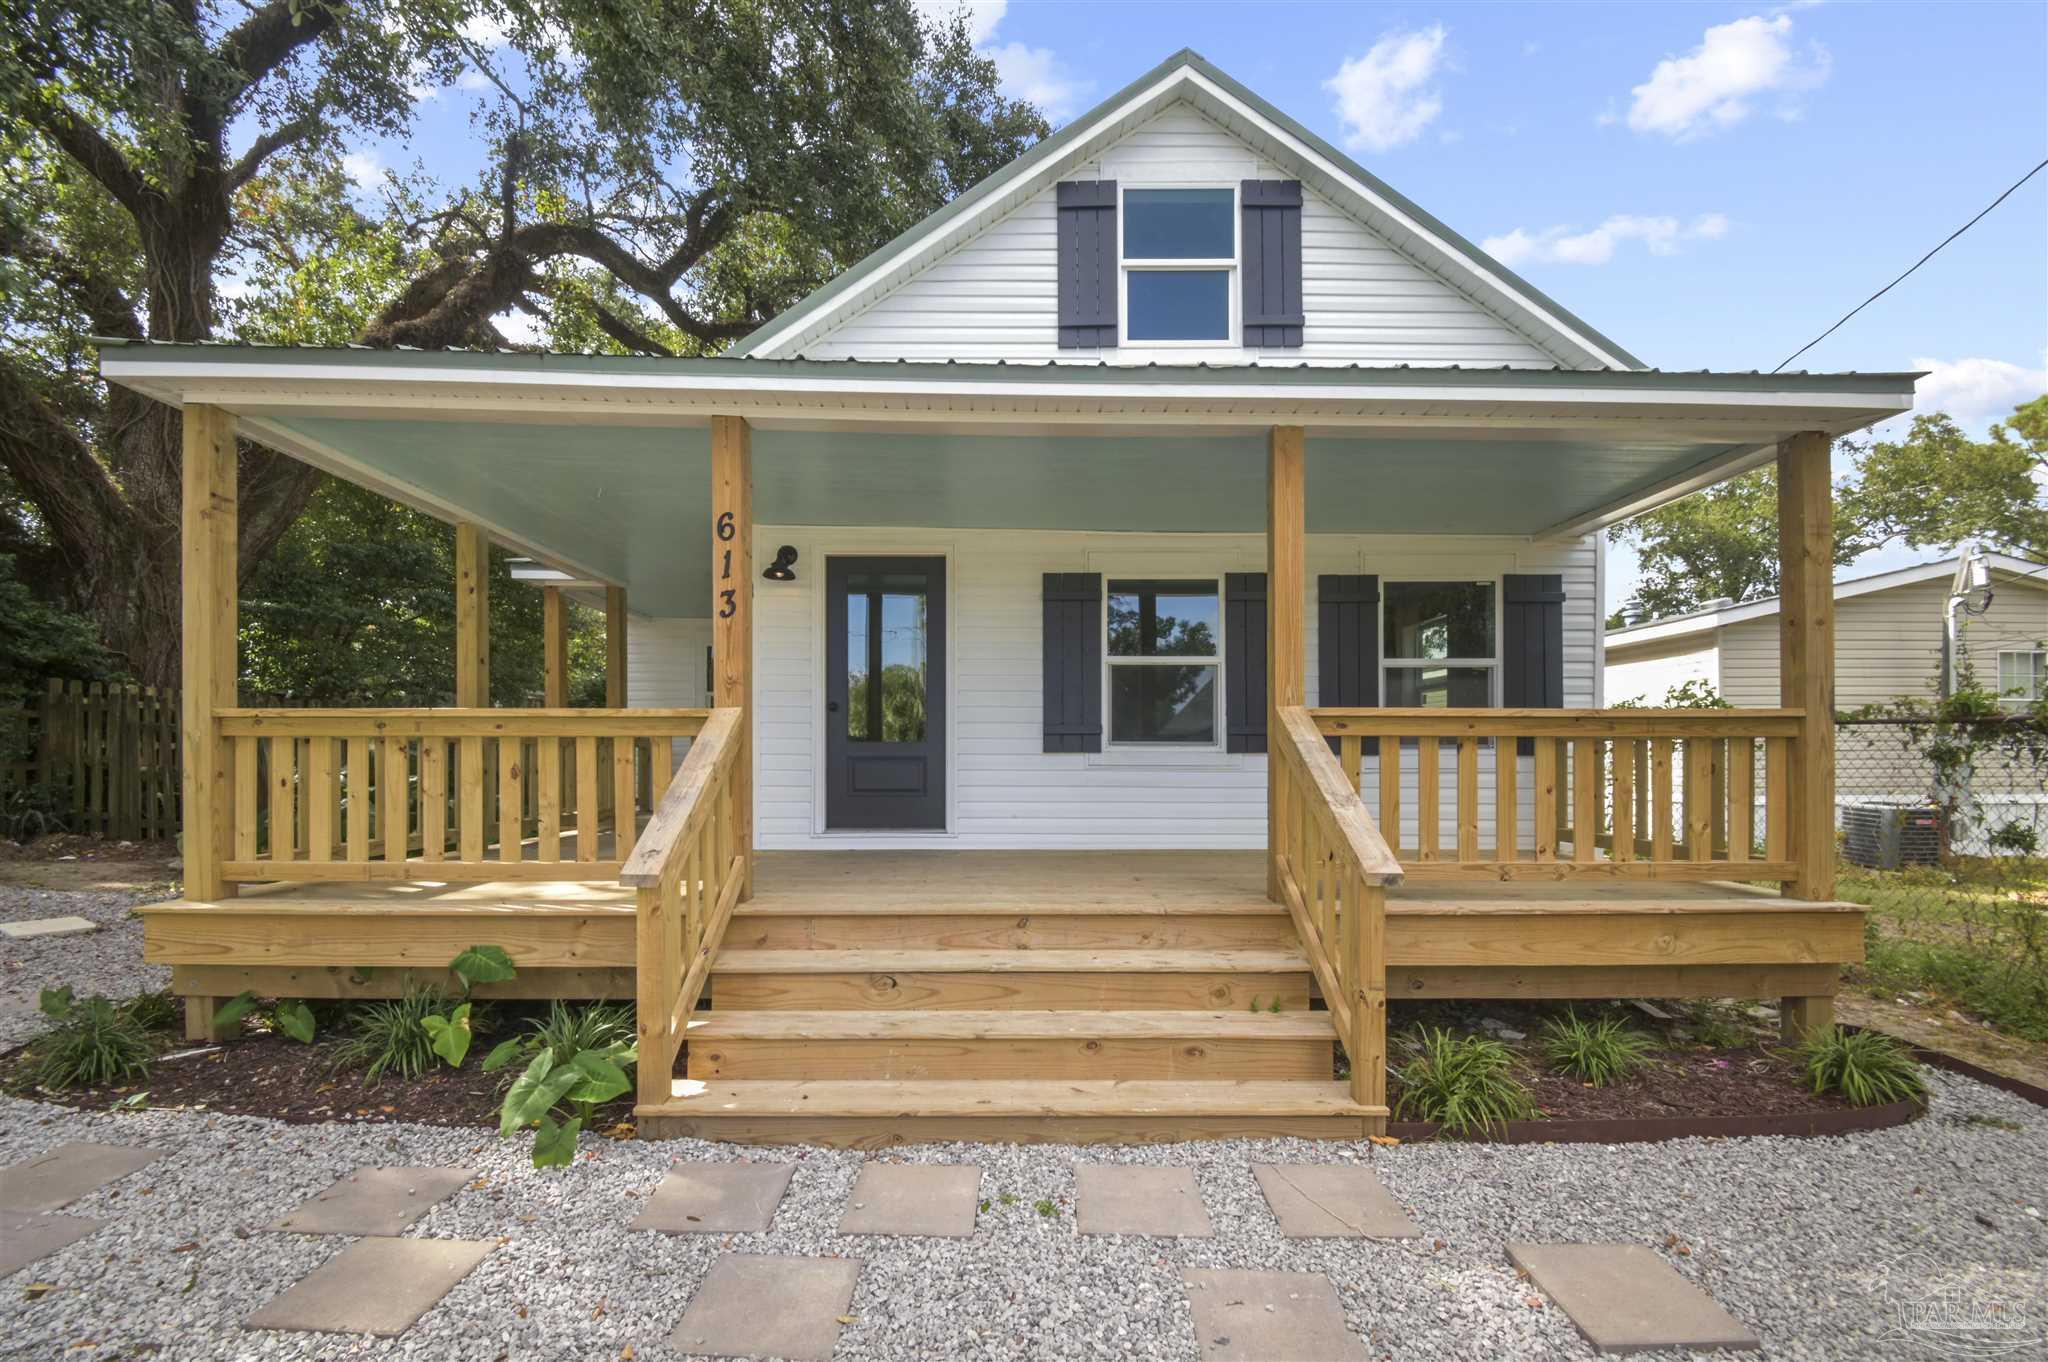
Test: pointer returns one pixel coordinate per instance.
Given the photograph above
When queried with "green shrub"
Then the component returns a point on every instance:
(1466, 1084)
(1866, 1067)
(391, 1035)
(566, 1030)
(93, 1042)
(1596, 1052)
(158, 1011)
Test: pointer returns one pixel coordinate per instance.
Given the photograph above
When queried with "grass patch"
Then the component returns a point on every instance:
(93, 1042)
(1596, 1052)
(1466, 1084)
(1866, 1067)
(1975, 935)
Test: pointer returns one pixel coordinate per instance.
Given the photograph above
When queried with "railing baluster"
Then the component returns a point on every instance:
(469, 799)
(548, 798)
(1390, 792)
(320, 801)
(394, 798)
(1699, 790)
(358, 799)
(587, 795)
(511, 799)
(1777, 796)
(625, 822)
(1741, 799)
(433, 798)
(1585, 800)
(1717, 793)
(1661, 811)
(246, 811)
(1545, 796)
(1623, 798)
(1351, 752)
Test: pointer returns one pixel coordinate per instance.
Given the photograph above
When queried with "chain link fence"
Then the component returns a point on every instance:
(1943, 833)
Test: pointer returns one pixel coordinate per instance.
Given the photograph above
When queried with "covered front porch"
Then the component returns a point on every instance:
(805, 980)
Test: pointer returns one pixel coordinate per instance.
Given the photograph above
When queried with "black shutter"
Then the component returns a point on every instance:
(1348, 644)
(1087, 269)
(1244, 660)
(1532, 644)
(1272, 262)
(1073, 662)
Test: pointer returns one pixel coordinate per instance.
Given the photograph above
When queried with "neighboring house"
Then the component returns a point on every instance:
(1889, 632)
(1022, 551)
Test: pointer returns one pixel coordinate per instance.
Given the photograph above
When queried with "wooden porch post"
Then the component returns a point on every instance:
(472, 616)
(1286, 589)
(1806, 679)
(732, 611)
(210, 613)
(615, 647)
(555, 648)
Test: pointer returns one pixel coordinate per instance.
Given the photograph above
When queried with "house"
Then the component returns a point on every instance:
(1893, 634)
(1891, 631)
(1153, 617)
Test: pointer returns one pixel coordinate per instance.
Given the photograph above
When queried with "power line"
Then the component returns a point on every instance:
(1916, 265)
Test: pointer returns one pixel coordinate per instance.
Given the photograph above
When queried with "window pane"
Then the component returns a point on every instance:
(1439, 619)
(2021, 674)
(1178, 224)
(903, 667)
(1180, 304)
(1162, 618)
(1162, 704)
(1439, 687)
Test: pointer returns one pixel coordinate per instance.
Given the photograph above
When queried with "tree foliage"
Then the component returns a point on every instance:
(1936, 488)
(660, 177)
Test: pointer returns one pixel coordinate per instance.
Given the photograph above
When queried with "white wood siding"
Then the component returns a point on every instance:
(1647, 673)
(1003, 789)
(995, 296)
(665, 663)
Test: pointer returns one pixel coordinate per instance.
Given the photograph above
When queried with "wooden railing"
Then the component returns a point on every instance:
(442, 794)
(1552, 793)
(689, 870)
(1334, 869)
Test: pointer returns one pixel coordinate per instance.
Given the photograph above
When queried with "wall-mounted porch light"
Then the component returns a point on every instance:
(781, 570)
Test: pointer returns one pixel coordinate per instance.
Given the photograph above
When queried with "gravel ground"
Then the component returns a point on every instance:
(108, 961)
(1815, 1243)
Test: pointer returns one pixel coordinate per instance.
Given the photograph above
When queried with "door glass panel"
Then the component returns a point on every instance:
(904, 640)
(857, 666)
(1162, 704)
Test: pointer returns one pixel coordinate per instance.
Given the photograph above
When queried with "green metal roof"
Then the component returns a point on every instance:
(1449, 377)
(1084, 127)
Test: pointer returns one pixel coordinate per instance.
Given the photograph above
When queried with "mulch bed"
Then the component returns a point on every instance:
(1686, 1082)
(298, 1084)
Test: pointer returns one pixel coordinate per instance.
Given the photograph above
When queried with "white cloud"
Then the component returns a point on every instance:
(1384, 97)
(521, 328)
(1976, 391)
(363, 169)
(485, 31)
(1717, 84)
(982, 15)
(1034, 74)
(1661, 235)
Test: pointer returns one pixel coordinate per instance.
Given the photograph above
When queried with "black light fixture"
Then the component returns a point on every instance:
(780, 570)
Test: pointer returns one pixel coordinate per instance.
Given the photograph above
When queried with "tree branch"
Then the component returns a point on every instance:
(269, 36)
(98, 157)
(268, 145)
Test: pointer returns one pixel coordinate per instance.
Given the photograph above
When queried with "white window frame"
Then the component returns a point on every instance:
(1227, 266)
(2017, 701)
(1492, 664)
(1110, 662)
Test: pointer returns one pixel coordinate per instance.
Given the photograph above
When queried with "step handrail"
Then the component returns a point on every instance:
(688, 873)
(1334, 869)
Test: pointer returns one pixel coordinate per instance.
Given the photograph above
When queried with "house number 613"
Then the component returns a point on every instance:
(728, 601)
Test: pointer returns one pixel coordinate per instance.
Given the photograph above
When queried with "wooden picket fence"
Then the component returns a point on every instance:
(104, 760)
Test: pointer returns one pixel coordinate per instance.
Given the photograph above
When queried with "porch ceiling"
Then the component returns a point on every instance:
(602, 467)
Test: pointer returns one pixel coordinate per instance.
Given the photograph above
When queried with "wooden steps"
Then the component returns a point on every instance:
(1077, 1044)
(869, 1114)
(980, 980)
(1009, 998)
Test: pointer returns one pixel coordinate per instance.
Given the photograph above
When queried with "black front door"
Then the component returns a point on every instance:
(885, 693)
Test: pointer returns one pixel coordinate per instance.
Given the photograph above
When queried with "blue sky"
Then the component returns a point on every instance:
(1711, 185)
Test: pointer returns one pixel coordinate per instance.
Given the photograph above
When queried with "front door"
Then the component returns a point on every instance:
(885, 694)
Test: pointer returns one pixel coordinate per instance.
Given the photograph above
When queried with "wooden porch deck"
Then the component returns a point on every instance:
(865, 997)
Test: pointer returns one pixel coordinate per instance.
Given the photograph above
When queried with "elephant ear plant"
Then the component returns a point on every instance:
(577, 1059)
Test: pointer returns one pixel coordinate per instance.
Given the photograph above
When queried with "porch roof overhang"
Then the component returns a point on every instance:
(599, 464)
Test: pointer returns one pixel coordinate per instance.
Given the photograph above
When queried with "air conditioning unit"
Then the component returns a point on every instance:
(1885, 837)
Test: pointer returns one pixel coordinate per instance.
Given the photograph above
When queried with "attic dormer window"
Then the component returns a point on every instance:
(1179, 263)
